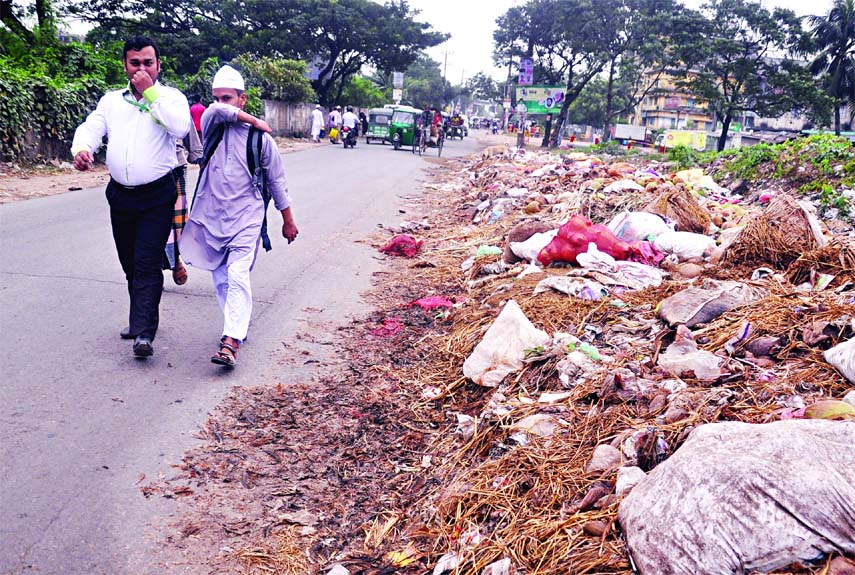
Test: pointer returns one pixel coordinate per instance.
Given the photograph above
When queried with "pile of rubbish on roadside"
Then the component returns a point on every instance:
(642, 370)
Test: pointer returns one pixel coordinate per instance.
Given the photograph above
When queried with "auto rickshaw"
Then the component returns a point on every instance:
(402, 130)
(379, 120)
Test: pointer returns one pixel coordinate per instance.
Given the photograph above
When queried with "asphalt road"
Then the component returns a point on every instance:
(81, 419)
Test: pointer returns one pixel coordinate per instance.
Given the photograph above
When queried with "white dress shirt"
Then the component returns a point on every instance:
(350, 120)
(141, 135)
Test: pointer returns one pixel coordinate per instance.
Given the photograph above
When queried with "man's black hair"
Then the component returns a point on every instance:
(136, 44)
(196, 98)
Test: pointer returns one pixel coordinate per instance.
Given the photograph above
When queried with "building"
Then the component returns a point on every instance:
(669, 107)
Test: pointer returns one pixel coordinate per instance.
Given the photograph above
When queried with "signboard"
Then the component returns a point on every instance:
(397, 94)
(542, 99)
(397, 79)
(671, 103)
(526, 72)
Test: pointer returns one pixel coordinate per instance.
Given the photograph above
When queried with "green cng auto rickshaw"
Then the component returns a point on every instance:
(403, 128)
(379, 120)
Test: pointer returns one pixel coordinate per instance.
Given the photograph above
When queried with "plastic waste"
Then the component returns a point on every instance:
(573, 286)
(539, 424)
(702, 304)
(488, 251)
(402, 245)
(432, 302)
(573, 238)
(842, 357)
(447, 562)
(500, 567)
(684, 356)
(758, 496)
(685, 245)
(529, 249)
(623, 186)
(503, 348)
(638, 226)
(627, 479)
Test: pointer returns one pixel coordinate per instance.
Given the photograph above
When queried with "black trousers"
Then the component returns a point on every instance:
(141, 218)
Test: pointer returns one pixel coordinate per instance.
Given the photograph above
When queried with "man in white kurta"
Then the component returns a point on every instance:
(223, 230)
(317, 123)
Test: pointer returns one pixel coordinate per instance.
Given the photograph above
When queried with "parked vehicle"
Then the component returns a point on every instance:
(403, 126)
(696, 139)
(628, 132)
(379, 120)
(348, 136)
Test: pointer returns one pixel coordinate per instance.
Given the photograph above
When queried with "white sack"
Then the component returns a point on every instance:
(842, 357)
(529, 249)
(739, 497)
(685, 245)
(638, 226)
(502, 350)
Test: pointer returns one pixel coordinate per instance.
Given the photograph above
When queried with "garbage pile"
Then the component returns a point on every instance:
(643, 369)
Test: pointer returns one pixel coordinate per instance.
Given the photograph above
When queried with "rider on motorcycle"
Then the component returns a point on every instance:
(350, 119)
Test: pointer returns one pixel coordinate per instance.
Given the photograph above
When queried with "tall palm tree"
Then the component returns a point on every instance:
(833, 36)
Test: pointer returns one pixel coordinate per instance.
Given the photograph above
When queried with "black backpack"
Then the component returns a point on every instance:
(253, 160)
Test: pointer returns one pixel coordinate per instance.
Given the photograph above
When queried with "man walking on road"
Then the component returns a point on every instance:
(143, 122)
(228, 213)
(317, 123)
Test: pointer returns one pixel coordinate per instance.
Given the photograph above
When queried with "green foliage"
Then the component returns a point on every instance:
(423, 84)
(276, 78)
(254, 103)
(683, 156)
(37, 94)
(362, 93)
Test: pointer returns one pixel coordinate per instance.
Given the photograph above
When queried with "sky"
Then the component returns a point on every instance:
(471, 24)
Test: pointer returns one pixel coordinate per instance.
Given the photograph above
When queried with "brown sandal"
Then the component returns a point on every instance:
(179, 273)
(227, 355)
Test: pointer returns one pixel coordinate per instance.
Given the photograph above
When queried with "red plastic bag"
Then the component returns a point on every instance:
(573, 239)
(402, 245)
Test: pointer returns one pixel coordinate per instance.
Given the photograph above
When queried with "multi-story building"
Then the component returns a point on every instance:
(670, 107)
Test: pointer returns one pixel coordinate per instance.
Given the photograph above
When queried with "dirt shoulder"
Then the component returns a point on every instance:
(23, 183)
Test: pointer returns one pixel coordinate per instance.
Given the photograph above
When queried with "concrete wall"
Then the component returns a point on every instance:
(289, 119)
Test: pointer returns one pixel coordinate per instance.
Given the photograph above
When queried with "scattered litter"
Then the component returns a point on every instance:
(402, 245)
(842, 357)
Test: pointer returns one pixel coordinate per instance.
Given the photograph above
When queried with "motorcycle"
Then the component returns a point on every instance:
(348, 136)
(456, 132)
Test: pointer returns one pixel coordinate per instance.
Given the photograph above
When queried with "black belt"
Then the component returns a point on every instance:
(161, 181)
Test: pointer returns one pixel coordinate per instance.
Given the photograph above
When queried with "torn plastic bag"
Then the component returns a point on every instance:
(842, 357)
(702, 304)
(503, 348)
(683, 356)
(530, 248)
(573, 239)
(402, 245)
(739, 497)
(638, 226)
(684, 245)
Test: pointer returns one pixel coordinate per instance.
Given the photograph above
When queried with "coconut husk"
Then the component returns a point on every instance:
(837, 259)
(680, 205)
(778, 236)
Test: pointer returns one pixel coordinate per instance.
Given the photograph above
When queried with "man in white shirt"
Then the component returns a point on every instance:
(350, 119)
(317, 123)
(143, 122)
(334, 120)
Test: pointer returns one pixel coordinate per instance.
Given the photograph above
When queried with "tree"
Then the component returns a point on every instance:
(341, 36)
(277, 78)
(363, 93)
(12, 17)
(640, 49)
(744, 61)
(423, 83)
(482, 87)
(833, 37)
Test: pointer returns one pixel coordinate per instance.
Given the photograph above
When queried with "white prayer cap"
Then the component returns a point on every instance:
(228, 77)
(317, 106)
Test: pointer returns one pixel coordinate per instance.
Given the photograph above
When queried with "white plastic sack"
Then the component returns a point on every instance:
(684, 245)
(638, 226)
(740, 497)
(502, 350)
(684, 356)
(623, 186)
(842, 357)
(529, 249)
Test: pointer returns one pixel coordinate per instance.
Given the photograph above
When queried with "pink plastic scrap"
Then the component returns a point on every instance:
(391, 326)
(402, 245)
(433, 302)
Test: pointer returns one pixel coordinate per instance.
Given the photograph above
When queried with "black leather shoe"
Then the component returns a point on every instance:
(126, 333)
(142, 347)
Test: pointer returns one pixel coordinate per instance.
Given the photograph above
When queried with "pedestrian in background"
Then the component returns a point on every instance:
(196, 111)
(317, 123)
(187, 150)
(142, 121)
